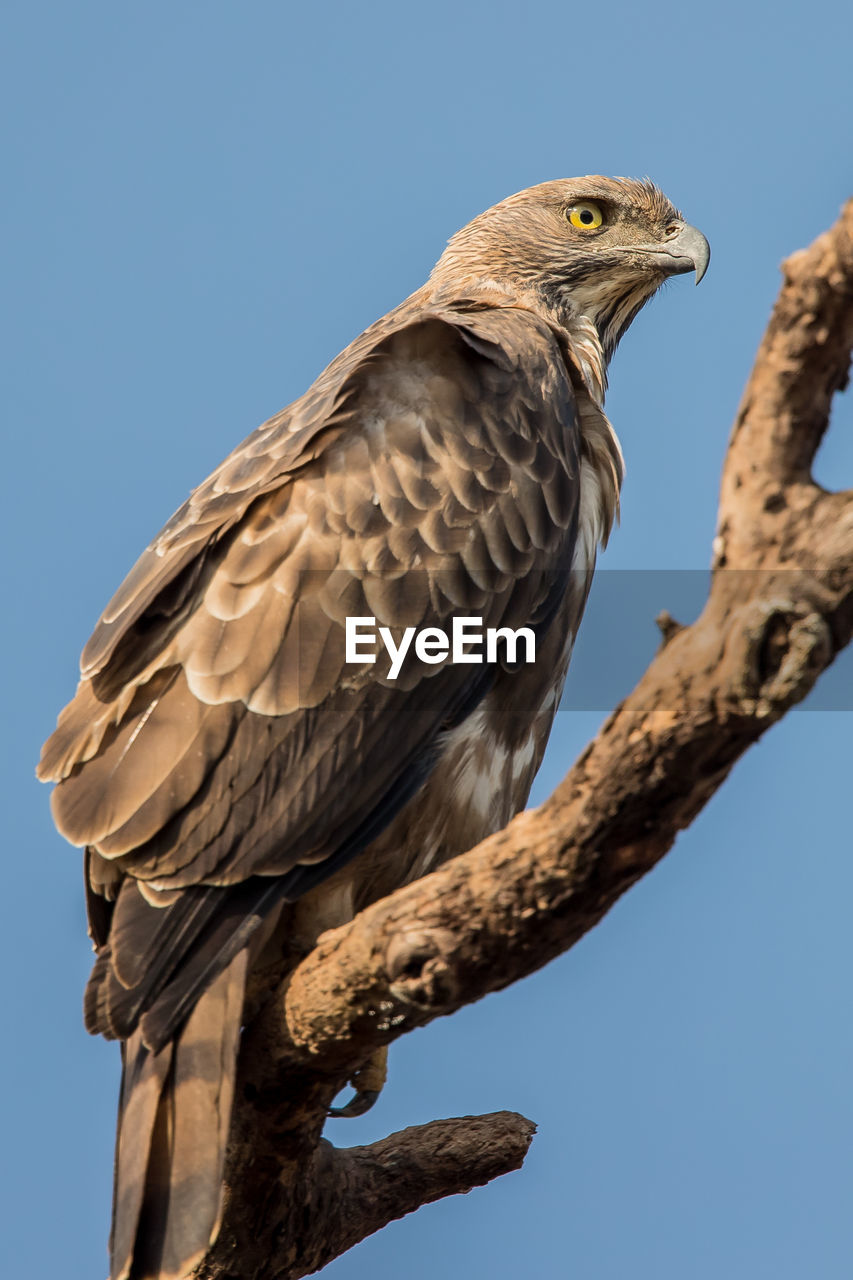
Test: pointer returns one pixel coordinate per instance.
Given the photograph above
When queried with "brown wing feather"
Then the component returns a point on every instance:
(223, 735)
(277, 448)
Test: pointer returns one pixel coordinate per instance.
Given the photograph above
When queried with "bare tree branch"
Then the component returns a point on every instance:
(803, 359)
(349, 1194)
(779, 610)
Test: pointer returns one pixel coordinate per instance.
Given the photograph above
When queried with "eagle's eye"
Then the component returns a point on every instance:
(586, 216)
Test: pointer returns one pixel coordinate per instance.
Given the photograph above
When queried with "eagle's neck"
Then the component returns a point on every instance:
(588, 353)
(571, 324)
(602, 463)
(586, 356)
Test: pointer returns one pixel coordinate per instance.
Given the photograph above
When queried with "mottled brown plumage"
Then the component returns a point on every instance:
(228, 772)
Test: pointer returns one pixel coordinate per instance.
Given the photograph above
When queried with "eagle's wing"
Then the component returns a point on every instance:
(218, 736)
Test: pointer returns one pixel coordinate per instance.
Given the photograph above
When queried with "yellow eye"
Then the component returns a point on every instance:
(585, 216)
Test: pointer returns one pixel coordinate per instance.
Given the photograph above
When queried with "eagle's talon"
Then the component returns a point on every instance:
(368, 1083)
(358, 1105)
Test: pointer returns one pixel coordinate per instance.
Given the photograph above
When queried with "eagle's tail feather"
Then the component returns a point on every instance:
(174, 1118)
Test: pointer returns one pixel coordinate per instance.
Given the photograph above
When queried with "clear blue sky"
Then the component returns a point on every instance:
(201, 204)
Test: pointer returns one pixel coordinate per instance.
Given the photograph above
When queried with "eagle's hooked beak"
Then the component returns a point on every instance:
(685, 250)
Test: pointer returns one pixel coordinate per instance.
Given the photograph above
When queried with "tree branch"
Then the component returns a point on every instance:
(780, 608)
(803, 359)
(349, 1194)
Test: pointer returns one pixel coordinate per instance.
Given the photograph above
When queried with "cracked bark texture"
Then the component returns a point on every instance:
(779, 610)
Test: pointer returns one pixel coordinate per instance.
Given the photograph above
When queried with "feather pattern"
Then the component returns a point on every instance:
(229, 771)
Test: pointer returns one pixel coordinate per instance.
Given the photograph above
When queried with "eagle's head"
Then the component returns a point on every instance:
(592, 247)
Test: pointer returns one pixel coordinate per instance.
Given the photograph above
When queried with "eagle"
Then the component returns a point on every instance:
(239, 778)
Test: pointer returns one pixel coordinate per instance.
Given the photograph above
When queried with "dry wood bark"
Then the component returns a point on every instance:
(779, 610)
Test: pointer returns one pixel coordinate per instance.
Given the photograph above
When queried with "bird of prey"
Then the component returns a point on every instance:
(236, 778)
